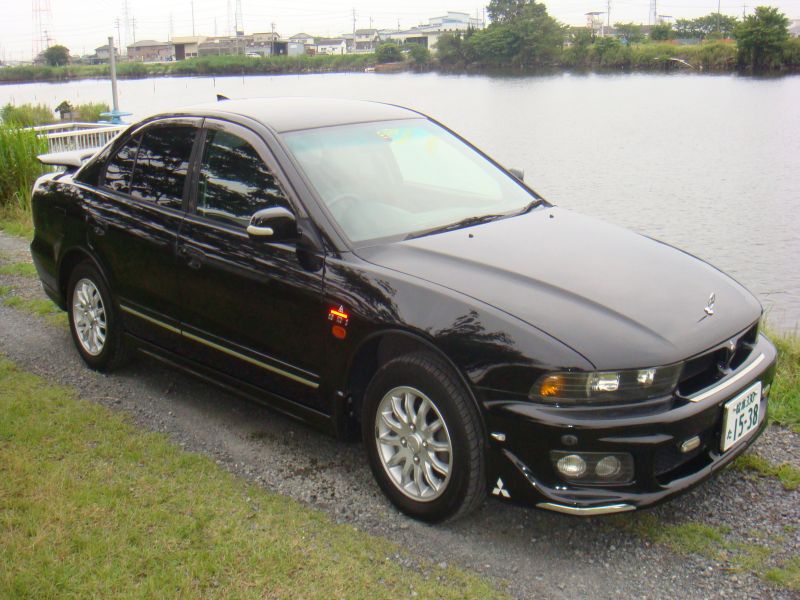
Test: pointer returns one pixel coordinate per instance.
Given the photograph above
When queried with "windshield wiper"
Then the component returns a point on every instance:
(468, 222)
(530, 206)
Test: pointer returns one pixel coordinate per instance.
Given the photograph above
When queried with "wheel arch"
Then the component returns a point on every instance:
(71, 258)
(374, 351)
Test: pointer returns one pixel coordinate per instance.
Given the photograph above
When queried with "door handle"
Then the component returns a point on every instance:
(194, 258)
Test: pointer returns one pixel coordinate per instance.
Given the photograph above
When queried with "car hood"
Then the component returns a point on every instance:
(620, 299)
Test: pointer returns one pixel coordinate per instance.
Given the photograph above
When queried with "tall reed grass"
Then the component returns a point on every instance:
(19, 167)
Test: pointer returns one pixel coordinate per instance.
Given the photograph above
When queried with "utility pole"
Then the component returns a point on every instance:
(119, 37)
(193, 18)
(272, 41)
(744, 10)
(133, 28)
(354, 31)
(718, 5)
(113, 63)
(608, 13)
(171, 27)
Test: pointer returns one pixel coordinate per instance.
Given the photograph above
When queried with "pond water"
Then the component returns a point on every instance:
(708, 163)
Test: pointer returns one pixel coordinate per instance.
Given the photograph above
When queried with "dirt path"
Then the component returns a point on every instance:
(530, 553)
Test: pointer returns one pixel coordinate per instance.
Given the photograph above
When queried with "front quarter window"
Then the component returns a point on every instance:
(234, 181)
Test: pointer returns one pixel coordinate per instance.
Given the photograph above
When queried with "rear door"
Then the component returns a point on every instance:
(250, 309)
(133, 221)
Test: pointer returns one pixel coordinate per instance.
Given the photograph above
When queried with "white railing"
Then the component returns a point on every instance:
(77, 136)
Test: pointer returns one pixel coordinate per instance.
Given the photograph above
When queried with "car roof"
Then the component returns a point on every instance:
(292, 114)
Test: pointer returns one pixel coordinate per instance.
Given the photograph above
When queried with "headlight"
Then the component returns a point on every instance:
(606, 387)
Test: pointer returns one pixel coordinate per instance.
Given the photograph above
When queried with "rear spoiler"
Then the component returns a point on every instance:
(71, 159)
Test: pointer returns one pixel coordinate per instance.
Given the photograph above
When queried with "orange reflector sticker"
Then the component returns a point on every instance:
(339, 332)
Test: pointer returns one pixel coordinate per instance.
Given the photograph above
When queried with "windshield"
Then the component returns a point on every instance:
(399, 178)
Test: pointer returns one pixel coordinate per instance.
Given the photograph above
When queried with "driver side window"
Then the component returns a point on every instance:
(234, 182)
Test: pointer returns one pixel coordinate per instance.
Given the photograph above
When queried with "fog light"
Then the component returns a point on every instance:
(571, 465)
(608, 467)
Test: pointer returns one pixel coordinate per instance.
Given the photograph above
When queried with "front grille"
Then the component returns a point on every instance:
(707, 369)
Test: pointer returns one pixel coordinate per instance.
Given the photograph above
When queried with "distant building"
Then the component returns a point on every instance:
(331, 46)
(187, 46)
(428, 35)
(151, 51)
(102, 54)
(366, 40)
(302, 38)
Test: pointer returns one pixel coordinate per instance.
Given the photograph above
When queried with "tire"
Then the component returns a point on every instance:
(402, 449)
(90, 307)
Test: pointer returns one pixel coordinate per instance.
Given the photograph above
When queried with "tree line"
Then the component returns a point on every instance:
(523, 35)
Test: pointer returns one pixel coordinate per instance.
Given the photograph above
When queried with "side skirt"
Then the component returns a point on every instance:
(316, 419)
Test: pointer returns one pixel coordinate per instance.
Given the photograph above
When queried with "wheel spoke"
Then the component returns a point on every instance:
(431, 478)
(388, 438)
(397, 409)
(440, 466)
(422, 415)
(408, 404)
(391, 424)
(418, 480)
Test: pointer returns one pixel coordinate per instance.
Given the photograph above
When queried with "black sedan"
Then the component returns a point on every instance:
(363, 268)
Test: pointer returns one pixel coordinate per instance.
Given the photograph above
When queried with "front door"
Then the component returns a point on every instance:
(249, 308)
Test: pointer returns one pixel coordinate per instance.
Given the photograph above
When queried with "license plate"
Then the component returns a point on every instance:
(742, 415)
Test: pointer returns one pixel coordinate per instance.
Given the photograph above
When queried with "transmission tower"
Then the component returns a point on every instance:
(239, 19)
(42, 24)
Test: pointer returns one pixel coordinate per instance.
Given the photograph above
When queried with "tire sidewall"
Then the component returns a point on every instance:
(404, 372)
(103, 360)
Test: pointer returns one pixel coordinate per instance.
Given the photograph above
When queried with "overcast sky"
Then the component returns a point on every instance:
(82, 25)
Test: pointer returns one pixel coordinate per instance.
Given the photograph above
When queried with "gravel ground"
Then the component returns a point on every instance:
(527, 552)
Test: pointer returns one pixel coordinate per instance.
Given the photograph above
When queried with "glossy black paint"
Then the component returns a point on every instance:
(502, 303)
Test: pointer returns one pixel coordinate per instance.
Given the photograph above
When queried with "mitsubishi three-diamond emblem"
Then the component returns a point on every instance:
(499, 490)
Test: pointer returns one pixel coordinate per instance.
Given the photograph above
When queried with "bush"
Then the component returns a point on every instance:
(420, 55)
(26, 115)
(18, 151)
(90, 112)
(388, 52)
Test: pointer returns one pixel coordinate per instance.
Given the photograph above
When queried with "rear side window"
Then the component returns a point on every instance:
(234, 182)
(162, 163)
(120, 167)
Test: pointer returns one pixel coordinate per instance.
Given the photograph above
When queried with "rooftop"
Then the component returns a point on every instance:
(292, 114)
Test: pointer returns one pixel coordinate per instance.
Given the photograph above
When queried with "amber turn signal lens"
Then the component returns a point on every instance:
(339, 332)
(552, 385)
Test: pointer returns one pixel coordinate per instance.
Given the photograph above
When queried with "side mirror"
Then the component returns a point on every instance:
(518, 173)
(275, 224)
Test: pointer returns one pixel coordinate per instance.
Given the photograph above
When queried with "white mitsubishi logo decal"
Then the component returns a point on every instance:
(499, 490)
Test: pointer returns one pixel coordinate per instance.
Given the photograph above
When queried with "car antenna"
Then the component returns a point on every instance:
(220, 98)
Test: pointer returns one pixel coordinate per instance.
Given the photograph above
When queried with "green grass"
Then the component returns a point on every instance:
(16, 221)
(784, 401)
(787, 575)
(18, 151)
(92, 507)
(26, 115)
(39, 307)
(19, 269)
(697, 538)
(787, 474)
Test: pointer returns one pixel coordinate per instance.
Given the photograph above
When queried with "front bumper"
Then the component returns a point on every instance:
(520, 468)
